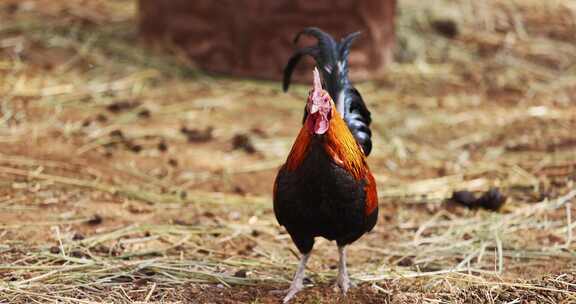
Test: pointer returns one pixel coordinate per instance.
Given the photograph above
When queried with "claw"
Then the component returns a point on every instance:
(287, 293)
(292, 291)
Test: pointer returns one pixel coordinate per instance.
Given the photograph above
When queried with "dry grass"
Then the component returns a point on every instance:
(103, 198)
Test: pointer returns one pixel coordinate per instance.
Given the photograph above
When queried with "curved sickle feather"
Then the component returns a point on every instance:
(327, 46)
(293, 61)
(345, 44)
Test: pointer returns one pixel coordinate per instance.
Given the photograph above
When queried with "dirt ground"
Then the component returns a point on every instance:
(126, 175)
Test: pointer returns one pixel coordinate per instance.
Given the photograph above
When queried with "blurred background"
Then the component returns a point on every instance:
(139, 142)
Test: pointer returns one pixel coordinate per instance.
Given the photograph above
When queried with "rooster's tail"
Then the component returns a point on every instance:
(332, 59)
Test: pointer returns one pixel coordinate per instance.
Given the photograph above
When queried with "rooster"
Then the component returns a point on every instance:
(325, 188)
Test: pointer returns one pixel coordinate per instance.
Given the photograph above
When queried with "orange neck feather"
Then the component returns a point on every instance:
(343, 148)
(339, 143)
(299, 149)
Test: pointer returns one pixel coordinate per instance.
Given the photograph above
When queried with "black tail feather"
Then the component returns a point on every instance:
(332, 59)
(345, 45)
(326, 44)
(293, 61)
(327, 56)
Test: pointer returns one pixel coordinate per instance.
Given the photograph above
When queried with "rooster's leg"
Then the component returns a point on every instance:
(297, 282)
(342, 280)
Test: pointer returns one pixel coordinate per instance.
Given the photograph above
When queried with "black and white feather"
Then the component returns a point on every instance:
(332, 59)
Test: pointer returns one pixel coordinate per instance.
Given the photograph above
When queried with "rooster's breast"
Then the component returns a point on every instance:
(320, 198)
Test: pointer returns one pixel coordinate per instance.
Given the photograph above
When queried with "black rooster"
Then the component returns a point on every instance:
(325, 188)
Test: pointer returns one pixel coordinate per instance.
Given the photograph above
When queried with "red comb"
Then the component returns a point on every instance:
(317, 81)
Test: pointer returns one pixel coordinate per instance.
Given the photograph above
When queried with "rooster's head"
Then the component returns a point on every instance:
(319, 107)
